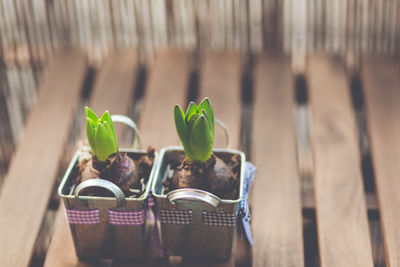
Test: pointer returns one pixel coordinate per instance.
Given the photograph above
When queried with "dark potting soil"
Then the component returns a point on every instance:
(129, 174)
(219, 175)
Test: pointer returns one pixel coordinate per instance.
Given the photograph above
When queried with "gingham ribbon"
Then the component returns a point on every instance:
(136, 217)
(150, 200)
(219, 219)
(176, 216)
(82, 216)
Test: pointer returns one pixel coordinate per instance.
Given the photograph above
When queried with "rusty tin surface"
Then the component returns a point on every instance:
(195, 239)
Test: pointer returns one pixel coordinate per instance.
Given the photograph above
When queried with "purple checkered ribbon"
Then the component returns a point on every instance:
(136, 217)
(150, 201)
(219, 219)
(176, 216)
(82, 216)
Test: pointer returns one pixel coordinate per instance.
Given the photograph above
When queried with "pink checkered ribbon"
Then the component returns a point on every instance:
(126, 217)
(176, 216)
(82, 216)
(219, 219)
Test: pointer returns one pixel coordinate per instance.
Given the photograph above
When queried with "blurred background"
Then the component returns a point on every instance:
(31, 30)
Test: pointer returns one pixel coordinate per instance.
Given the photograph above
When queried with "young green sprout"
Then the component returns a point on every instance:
(101, 134)
(196, 130)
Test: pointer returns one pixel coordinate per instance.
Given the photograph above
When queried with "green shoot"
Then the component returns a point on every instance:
(101, 134)
(196, 130)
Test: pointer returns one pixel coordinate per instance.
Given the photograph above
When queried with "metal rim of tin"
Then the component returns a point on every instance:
(124, 150)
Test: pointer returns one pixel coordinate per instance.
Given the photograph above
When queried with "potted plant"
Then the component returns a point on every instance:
(105, 191)
(198, 189)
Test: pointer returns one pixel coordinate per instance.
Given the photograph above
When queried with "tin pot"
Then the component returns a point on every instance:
(105, 227)
(195, 223)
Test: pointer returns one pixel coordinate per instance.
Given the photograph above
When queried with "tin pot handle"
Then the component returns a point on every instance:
(193, 194)
(129, 122)
(103, 184)
(226, 131)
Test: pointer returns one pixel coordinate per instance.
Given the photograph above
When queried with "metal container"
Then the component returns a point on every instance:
(105, 227)
(195, 223)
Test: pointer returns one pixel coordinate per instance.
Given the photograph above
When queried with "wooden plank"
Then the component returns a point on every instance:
(167, 86)
(115, 84)
(308, 201)
(343, 233)
(220, 80)
(26, 191)
(113, 90)
(276, 201)
(381, 84)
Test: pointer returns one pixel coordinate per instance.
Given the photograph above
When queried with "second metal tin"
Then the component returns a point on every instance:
(195, 223)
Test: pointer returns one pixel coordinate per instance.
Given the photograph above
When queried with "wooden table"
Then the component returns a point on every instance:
(337, 204)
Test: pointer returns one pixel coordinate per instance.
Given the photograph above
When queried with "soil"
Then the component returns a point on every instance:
(219, 175)
(131, 175)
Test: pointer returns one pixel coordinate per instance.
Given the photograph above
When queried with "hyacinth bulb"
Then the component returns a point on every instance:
(196, 130)
(101, 134)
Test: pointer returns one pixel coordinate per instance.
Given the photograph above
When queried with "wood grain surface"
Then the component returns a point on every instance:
(167, 85)
(28, 186)
(220, 80)
(115, 85)
(276, 201)
(113, 90)
(339, 199)
(343, 233)
(381, 84)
